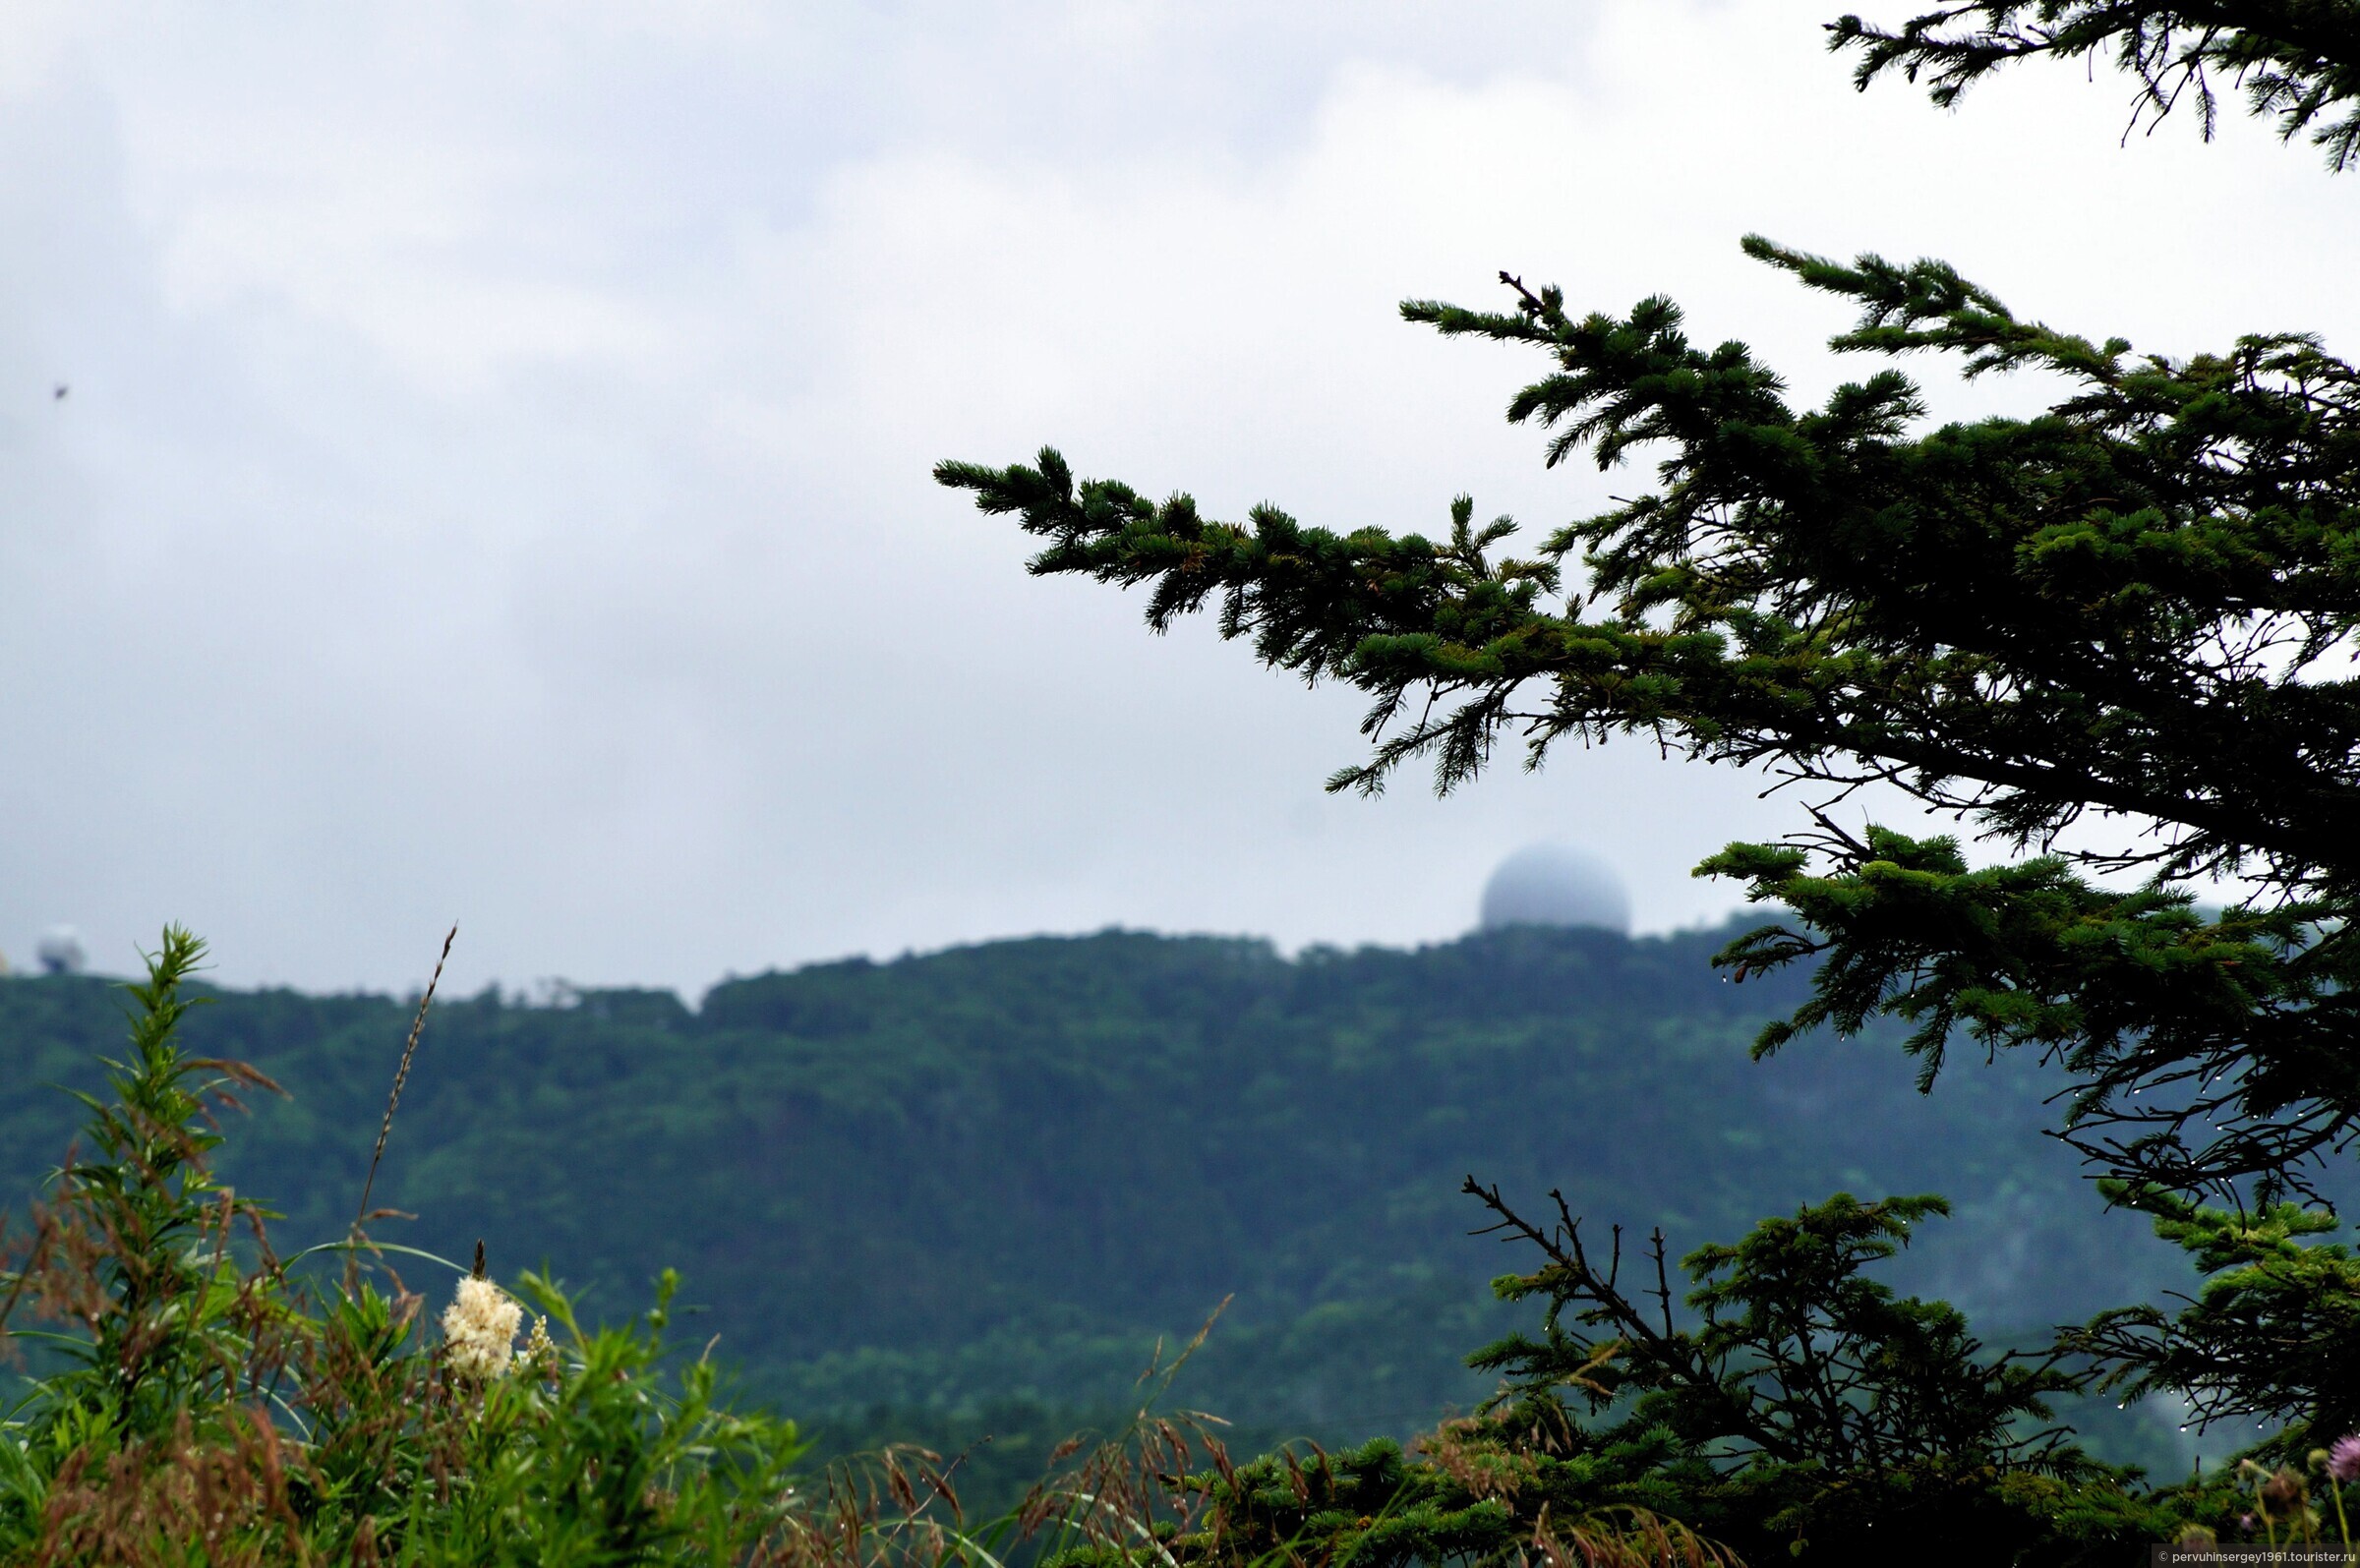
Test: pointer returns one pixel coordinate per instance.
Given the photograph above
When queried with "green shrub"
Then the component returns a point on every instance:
(202, 1400)
(1795, 1411)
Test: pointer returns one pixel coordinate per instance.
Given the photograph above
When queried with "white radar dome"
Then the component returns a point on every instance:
(60, 951)
(1552, 883)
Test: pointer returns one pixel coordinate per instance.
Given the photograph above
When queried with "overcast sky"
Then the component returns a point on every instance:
(493, 480)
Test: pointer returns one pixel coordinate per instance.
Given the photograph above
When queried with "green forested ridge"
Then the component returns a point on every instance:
(998, 1172)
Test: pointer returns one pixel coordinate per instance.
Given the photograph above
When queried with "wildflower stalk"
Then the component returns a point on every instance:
(2342, 1462)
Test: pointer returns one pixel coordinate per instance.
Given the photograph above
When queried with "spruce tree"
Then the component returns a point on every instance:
(2133, 615)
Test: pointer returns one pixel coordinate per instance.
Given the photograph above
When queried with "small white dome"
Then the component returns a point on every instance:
(1556, 885)
(60, 951)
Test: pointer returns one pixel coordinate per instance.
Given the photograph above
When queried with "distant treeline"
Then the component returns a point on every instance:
(993, 1176)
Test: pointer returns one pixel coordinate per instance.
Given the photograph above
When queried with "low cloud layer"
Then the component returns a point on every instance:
(492, 479)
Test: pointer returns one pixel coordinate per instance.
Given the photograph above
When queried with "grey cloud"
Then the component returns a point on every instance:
(494, 481)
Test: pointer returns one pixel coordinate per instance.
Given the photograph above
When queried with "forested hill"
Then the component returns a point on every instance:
(1006, 1168)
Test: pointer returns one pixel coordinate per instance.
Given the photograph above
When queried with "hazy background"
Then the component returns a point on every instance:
(493, 480)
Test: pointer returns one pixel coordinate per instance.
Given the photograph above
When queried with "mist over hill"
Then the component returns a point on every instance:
(1002, 1172)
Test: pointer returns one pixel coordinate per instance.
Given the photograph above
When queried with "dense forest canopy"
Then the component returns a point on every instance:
(1002, 1171)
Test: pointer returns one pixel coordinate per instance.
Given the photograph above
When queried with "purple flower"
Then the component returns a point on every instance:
(2343, 1460)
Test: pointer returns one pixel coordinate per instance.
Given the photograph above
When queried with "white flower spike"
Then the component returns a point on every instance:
(480, 1329)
